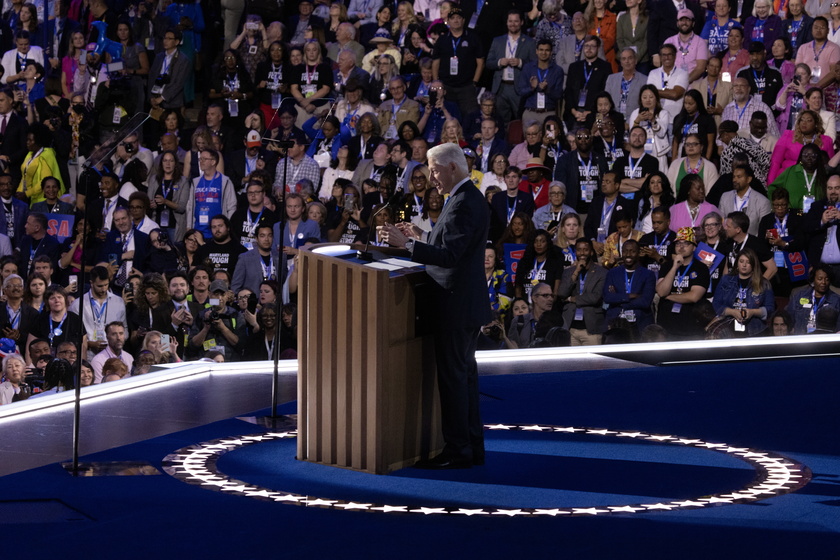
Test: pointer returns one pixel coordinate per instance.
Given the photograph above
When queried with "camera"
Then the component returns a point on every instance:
(55, 122)
(163, 236)
(494, 332)
(215, 315)
(128, 147)
(796, 80)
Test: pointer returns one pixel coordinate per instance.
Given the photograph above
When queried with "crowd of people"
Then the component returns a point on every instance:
(653, 171)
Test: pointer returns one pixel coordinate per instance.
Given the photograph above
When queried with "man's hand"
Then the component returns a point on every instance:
(410, 230)
(11, 333)
(390, 234)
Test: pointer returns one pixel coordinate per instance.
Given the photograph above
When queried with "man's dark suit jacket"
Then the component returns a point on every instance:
(28, 321)
(21, 211)
(113, 246)
(173, 92)
(13, 144)
(499, 204)
(49, 246)
(454, 258)
(498, 146)
(593, 218)
(95, 214)
(816, 231)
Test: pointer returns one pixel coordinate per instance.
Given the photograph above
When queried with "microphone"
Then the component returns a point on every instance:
(366, 255)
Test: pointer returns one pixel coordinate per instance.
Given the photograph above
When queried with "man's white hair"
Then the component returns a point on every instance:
(444, 154)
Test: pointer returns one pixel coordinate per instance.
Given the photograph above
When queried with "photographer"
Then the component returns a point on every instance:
(13, 389)
(163, 257)
(214, 327)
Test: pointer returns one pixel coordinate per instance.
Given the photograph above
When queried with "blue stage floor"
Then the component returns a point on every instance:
(601, 475)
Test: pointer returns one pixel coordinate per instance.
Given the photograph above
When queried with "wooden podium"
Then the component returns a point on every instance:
(367, 387)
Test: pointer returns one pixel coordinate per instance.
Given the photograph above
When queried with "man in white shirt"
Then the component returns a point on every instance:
(100, 307)
(671, 81)
(743, 106)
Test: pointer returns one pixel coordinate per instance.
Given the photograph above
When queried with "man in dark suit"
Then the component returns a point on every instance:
(581, 172)
(37, 242)
(17, 320)
(130, 246)
(822, 226)
(102, 209)
(13, 130)
(454, 259)
(18, 209)
(168, 74)
(58, 32)
(263, 262)
(587, 78)
(508, 54)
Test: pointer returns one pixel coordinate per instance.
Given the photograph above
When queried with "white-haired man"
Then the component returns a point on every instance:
(454, 257)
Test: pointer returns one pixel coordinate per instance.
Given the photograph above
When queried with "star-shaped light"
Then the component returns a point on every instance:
(499, 427)
(631, 434)
(628, 509)
(288, 498)
(319, 502)
(238, 488)
(688, 441)
(717, 500)
(391, 509)
(661, 438)
(353, 505)
(261, 494)
(589, 511)
(659, 506)
(510, 512)
(689, 503)
(470, 512)
(535, 428)
(599, 432)
(552, 512)
(429, 511)
(569, 430)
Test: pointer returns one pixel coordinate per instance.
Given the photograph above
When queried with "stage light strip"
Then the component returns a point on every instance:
(171, 372)
(775, 475)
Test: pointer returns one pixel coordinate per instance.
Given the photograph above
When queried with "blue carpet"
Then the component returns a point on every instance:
(783, 406)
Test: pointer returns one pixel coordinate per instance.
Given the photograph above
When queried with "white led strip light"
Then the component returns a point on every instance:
(775, 475)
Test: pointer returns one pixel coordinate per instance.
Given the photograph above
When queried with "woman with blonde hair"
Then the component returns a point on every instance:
(452, 132)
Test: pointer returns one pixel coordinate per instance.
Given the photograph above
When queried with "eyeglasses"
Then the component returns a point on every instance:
(194, 240)
(242, 298)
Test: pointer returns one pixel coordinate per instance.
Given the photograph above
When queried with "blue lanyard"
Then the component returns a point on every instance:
(755, 77)
(455, 45)
(782, 226)
(128, 240)
(687, 126)
(628, 282)
(587, 75)
(511, 211)
(606, 212)
(542, 76)
(683, 275)
(741, 114)
(14, 317)
(56, 331)
(581, 280)
(97, 315)
(815, 305)
(267, 269)
(658, 244)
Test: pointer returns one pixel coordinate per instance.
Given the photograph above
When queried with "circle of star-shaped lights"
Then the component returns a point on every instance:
(775, 475)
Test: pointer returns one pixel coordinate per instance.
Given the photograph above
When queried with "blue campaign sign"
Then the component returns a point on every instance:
(60, 226)
(513, 252)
